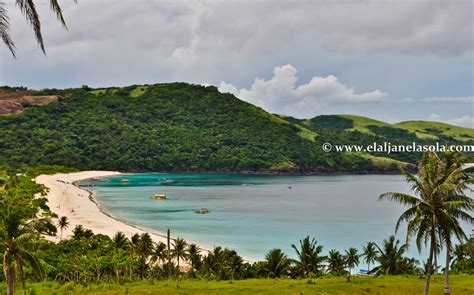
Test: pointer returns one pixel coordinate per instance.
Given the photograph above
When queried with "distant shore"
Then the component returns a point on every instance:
(81, 208)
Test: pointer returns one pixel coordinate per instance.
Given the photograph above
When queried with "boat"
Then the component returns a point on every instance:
(124, 180)
(202, 211)
(159, 197)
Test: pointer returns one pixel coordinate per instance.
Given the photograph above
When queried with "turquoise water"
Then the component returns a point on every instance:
(253, 214)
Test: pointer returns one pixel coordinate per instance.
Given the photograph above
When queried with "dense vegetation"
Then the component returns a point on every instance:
(163, 127)
(180, 127)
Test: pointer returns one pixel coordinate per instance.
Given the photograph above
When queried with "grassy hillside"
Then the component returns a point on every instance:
(460, 284)
(434, 129)
(421, 129)
(163, 127)
(351, 129)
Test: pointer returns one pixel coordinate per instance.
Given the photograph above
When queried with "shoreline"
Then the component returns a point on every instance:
(79, 205)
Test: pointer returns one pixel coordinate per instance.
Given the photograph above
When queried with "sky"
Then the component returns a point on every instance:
(388, 60)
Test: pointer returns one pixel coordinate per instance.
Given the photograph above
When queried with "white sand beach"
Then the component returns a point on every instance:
(66, 199)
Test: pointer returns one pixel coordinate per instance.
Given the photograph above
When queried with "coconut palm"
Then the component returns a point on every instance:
(28, 9)
(309, 258)
(79, 232)
(351, 259)
(369, 252)
(276, 263)
(335, 262)
(17, 229)
(390, 256)
(63, 223)
(457, 178)
(134, 241)
(435, 209)
(179, 249)
(194, 256)
(120, 241)
(145, 245)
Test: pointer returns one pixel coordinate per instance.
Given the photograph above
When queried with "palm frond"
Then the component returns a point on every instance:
(28, 8)
(56, 8)
(401, 198)
(5, 29)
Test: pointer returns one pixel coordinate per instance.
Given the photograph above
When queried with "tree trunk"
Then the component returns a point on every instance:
(447, 290)
(430, 264)
(169, 253)
(10, 278)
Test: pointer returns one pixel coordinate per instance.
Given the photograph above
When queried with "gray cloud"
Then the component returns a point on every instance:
(405, 48)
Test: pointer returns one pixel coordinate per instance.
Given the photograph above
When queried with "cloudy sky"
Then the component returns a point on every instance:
(390, 60)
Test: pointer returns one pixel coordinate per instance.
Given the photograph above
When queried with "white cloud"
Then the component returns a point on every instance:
(281, 95)
(450, 99)
(465, 121)
(434, 117)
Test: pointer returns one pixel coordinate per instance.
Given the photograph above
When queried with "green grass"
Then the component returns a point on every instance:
(361, 123)
(460, 284)
(140, 90)
(422, 129)
(384, 162)
(425, 129)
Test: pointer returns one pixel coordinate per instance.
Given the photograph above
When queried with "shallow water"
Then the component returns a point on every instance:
(253, 214)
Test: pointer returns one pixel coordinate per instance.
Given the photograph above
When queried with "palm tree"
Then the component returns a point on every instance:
(335, 262)
(370, 254)
(80, 232)
(457, 179)
(276, 263)
(16, 229)
(120, 241)
(159, 253)
(309, 259)
(145, 245)
(390, 256)
(63, 223)
(28, 9)
(351, 260)
(179, 249)
(437, 205)
(194, 256)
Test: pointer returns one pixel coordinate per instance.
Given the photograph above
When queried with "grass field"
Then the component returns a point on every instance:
(430, 128)
(460, 284)
(422, 129)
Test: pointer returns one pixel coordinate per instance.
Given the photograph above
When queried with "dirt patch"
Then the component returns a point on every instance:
(14, 102)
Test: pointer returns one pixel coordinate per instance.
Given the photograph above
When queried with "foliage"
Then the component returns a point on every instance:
(163, 127)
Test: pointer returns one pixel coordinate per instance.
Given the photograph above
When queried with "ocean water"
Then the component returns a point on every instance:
(253, 214)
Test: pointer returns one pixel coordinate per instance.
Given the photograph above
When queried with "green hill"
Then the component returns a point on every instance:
(352, 129)
(163, 127)
(434, 129)
(420, 129)
(180, 127)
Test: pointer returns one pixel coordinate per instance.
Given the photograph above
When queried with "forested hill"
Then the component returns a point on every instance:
(171, 127)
